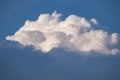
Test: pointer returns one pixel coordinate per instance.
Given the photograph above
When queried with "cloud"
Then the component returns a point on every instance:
(74, 33)
(93, 20)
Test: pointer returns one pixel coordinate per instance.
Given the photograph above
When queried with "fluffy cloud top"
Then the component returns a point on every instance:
(74, 33)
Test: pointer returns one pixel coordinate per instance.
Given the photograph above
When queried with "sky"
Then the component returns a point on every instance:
(43, 56)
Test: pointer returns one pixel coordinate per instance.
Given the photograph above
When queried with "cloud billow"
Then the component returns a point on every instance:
(74, 33)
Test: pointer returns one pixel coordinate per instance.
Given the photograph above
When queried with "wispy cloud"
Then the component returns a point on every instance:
(74, 33)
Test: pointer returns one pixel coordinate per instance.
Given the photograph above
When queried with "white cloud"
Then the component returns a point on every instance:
(74, 33)
(93, 20)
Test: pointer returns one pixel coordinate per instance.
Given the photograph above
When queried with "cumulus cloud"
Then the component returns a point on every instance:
(74, 33)
(93, 20)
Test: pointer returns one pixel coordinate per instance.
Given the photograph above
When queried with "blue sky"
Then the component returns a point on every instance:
(26, 64)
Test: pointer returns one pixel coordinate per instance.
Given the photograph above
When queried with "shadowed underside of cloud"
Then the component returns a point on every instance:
(74, 34)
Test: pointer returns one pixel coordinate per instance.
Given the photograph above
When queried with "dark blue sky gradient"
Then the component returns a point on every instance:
(25, 64)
